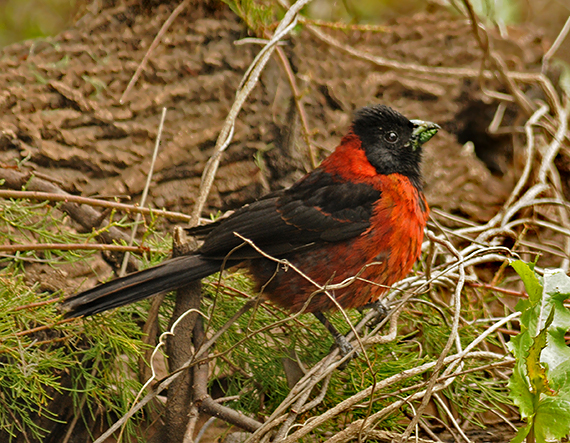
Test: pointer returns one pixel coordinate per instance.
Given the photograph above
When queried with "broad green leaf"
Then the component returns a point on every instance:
(522, 433)
(535, 369)
(540, 383)
(556, 291)
(552, 419)
(519, 390)
(560, 379)
(530, 280)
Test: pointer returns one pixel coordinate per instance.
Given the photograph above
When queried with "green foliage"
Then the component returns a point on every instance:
(36, 223)
(43, 361)
(257, 15)
(540, 384)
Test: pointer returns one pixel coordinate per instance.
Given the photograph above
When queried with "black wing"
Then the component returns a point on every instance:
(319, 208)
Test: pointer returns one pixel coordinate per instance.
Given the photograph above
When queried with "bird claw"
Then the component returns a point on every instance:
(343, 345)
(345, 348)
(381, 313)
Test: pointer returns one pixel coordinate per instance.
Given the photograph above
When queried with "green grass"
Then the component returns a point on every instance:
(40, 359)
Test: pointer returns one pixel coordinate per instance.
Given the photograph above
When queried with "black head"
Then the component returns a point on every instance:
(392, 143)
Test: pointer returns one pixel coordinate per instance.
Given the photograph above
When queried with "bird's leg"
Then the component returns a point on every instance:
(340, 340)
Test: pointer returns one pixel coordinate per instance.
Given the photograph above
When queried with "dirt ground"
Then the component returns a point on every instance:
(60, 106)
(60, 113)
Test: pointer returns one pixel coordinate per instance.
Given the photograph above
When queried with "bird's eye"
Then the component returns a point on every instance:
(391, 137)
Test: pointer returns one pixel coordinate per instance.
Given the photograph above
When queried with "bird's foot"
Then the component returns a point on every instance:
(343, 345)
(381, 312)
(344, 348)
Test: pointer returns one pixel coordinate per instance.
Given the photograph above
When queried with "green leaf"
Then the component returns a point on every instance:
(530, 280)
(552, 419)
(519, 390)
(522, 433)
(535, 369)
(557, 353)
(540, 383)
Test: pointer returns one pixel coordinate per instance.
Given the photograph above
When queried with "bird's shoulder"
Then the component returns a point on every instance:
(324, 201)
(321, 207)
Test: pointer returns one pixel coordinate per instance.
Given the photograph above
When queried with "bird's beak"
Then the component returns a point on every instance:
(422, 132)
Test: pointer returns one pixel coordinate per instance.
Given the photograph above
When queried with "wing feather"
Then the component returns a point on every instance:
(320, 208)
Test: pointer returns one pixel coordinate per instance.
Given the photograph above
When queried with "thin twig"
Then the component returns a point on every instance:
(153, 46)
(145, 192)
(528, 127)
(247, 84)
(450, 417)
(68, 198)
(453, 337)
(552, 50)
(345, 405)
(135, 403)
(72, 247)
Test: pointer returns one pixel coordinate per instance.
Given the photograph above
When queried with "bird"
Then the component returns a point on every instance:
(362, 212)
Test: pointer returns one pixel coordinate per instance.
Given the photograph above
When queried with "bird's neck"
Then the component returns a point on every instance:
(350, 162)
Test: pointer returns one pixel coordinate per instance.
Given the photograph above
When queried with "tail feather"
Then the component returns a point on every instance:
(165, 277)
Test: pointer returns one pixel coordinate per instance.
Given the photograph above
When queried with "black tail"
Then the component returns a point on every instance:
(165, 277)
